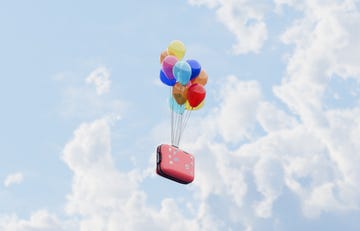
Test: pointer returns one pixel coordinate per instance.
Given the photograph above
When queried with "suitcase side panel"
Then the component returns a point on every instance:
(175, 164)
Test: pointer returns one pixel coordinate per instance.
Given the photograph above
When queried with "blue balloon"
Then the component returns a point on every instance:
(195, 67)
(174, 106)
(166, 80)
(182, 72)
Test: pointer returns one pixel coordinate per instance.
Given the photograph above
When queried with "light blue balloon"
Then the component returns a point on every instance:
(182, 72)
(174, 106)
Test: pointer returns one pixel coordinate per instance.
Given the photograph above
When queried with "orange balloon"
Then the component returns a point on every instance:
(202, 78)
(179, 92)
(163, 55)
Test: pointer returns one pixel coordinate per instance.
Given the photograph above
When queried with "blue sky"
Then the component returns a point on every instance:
(83, 109)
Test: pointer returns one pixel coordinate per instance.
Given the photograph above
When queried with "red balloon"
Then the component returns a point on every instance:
(196, 94)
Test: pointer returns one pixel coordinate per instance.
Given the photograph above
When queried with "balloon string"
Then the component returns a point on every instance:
(179, 122)
(187, 118)
(174, 127)
(177, 129)
(180, 129)
(184, 124)
(172, 118)
(175, 124)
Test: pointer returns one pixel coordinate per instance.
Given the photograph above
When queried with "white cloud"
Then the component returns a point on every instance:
(40, 220)
(316, 162)
(273, 119)
(83, 102)
(105, 198)
(269, 179)
(88, 156)
(326, 46)
(100, 77)
(238, 106)
(245, 19)
(208, 3)
(15, 178)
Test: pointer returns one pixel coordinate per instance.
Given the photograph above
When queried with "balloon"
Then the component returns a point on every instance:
(196, 94)
(177, 48)
(189, 108)
(182, 72)
(168, 64)
(174, 106)
(195, 67)
(166, 80)
(179, 93)
(163, 55)
(202, 78)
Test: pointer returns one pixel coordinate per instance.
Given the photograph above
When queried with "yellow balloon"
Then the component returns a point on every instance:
(189, 108)
(177, 49)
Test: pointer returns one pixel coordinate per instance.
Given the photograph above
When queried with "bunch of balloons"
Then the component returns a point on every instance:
(186, 78)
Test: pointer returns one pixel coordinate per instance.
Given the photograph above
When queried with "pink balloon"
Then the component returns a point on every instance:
(168, 64)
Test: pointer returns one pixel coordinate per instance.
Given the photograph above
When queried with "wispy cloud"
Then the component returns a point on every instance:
(245, 19)
(100, 77)
(81, 101)
(39, 220)
(14, 178)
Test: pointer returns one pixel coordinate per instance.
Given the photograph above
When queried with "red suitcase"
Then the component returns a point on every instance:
(175, 164)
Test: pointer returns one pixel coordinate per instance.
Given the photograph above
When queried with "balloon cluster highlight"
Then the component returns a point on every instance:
(186, 78)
